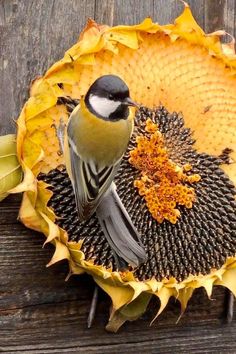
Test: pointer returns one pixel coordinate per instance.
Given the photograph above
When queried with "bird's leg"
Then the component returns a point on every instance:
(229, 306)
(93, 307)
(60, 133)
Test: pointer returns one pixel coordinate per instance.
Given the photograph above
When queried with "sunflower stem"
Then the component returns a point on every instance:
(93, 307)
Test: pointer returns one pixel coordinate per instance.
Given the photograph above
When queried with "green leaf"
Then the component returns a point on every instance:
(10, 169)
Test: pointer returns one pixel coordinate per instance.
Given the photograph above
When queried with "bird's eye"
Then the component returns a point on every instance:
(110, 97)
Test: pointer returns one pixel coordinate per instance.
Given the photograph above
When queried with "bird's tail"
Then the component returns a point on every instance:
(119, 231)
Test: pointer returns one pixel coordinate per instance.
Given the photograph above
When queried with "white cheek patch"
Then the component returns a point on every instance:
(102, 105)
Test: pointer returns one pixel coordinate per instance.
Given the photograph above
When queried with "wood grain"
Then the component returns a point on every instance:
(35, 34)
(220, 15)
(39, 311)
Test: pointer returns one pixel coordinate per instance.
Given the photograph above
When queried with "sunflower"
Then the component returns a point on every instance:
(176, 179)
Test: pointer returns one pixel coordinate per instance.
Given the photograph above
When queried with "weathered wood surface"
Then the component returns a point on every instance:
(39, 312)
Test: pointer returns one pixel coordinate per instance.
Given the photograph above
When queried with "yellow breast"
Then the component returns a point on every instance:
(98, 139)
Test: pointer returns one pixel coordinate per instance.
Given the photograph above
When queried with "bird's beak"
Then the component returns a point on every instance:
(129, 102)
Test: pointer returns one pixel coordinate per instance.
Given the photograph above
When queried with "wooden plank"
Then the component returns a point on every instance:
(175, 8)
(220, 15)
(229, 17)
(35, 34)
(160, 13)
(39, 311)
(104, 11)
(132, 11)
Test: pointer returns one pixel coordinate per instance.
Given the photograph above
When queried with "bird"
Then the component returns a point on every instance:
(97, 135)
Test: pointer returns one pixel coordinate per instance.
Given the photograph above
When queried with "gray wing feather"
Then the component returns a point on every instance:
(85, 189)
(89, 182)
(120, 231)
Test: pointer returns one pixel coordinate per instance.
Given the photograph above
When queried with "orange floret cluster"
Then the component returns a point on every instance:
(162, 182)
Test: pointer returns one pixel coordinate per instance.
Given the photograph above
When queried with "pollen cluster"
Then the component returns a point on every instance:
(163, 184)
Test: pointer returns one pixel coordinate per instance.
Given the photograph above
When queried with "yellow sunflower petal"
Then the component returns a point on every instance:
(28, 215)
(130, 312)
(61, 253)
(119, 298)
(184, 295)
(228, 278)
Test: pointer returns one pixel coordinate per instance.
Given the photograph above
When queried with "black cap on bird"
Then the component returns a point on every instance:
(108, 98)
(98, 132)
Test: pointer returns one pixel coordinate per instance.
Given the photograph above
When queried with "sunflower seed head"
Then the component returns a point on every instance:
(202, 238)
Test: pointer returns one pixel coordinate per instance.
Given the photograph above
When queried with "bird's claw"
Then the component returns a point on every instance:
(93, 307)
(60, 133)
(229, 306)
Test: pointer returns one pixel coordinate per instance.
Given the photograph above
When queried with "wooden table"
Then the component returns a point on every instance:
(39, 312)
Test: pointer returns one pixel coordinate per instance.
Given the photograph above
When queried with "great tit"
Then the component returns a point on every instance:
(98, 132)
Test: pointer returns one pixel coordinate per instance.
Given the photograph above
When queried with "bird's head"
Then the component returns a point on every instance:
(108, 98)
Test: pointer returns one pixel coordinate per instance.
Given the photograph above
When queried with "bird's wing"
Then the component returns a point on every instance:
(89, 181)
